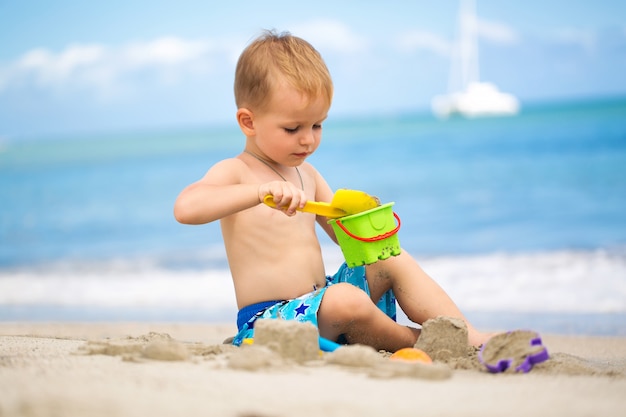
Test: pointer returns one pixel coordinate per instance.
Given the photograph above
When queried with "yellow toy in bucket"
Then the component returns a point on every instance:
(366, 231)
(344, 202)
(368, 236)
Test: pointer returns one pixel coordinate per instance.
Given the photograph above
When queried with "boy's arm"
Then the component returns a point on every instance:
(219, 193)
(222, 192)
(203, 202)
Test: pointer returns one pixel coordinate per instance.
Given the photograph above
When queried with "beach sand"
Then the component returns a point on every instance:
(146, 369)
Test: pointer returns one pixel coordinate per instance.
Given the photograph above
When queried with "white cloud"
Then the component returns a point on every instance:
(492, 31)
(330, 35)
(106, 69)
(415, 39)
(44, 68)
(496, 32)
(165, 51)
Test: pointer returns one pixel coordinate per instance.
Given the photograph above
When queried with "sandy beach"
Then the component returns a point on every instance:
(147, 369)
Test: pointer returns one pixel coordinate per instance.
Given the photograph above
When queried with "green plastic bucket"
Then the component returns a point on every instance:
(368, 236)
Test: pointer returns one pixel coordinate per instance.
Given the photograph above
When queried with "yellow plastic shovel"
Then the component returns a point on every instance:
(344, 203)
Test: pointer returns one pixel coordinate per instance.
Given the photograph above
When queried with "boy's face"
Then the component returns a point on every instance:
(289, 129)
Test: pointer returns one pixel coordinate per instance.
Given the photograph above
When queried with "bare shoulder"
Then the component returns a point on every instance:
(229, 164)
(311, 172)
(323, 192)
(226, 171)
(308, 168)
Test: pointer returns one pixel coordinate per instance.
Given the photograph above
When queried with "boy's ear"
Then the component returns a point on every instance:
(245, 118)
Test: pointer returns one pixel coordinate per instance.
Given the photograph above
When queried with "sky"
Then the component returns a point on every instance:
(76, 67)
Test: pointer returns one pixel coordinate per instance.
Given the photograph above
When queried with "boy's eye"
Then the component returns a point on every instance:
(296, 129)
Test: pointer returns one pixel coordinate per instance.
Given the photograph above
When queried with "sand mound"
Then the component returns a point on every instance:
(279, 344)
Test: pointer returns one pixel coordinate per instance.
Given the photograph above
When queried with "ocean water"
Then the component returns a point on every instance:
(522, 219)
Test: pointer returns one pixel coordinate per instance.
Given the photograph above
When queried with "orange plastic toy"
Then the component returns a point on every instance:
(411, 355)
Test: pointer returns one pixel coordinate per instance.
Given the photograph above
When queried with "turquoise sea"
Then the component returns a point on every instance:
(521, 219)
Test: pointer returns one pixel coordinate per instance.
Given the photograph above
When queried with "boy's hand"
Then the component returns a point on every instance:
(287, 196)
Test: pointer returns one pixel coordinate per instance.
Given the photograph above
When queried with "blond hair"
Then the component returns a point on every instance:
(272, 57)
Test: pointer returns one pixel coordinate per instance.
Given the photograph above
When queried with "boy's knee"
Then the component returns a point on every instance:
(347, 302)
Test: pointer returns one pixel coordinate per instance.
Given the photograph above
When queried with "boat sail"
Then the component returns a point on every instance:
(468, 96)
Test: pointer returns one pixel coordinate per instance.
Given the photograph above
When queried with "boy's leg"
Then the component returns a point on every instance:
(348, 310)
(419, 296)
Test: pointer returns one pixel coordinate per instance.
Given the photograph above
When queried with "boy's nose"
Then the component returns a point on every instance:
(307, 137)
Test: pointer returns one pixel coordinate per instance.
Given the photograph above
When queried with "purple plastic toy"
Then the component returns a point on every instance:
(521, 349)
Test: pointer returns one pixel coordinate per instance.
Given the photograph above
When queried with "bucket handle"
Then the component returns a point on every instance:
(374, 238)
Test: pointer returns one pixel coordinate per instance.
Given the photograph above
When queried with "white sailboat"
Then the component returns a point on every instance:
(468, 96)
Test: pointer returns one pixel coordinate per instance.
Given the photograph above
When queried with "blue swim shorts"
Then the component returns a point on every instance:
(305, 307)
